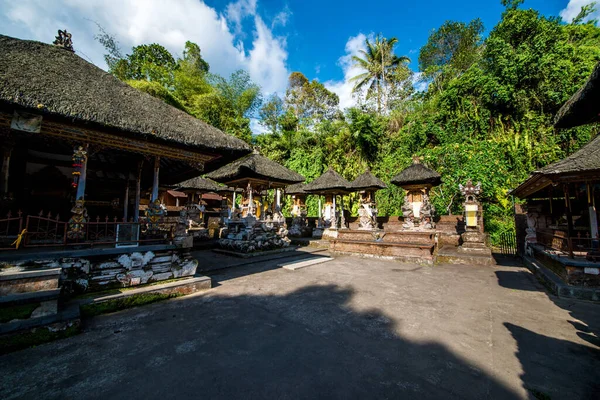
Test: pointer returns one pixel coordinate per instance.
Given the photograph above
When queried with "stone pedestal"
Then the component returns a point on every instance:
(474, 242)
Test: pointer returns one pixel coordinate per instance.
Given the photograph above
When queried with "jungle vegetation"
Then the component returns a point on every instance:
(486, 113)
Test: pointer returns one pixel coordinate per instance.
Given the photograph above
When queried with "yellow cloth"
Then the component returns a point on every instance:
(19, 239)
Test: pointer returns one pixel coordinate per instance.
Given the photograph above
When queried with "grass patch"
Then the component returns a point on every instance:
(35, 337)
(90, 310)
(17, 312)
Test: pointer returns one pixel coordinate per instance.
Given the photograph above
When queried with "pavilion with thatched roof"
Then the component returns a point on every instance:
(330, 184)
(561, 198)
(255, 173)
(367, 184)
(254, 228)
(417, 180)
(76, 141)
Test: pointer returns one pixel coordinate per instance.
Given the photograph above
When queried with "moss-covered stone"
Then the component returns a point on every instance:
(90, 310)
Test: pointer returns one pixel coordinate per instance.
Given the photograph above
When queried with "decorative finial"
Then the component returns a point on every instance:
(416, 160)
(63, 40)
(469, 189)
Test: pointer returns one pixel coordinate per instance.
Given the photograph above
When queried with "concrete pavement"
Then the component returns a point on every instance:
(349, 328)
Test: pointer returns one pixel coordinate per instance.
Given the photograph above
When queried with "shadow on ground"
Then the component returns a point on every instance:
(306, 344)
(547, 363)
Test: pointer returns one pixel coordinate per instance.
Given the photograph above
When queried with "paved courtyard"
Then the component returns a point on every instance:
(350, 328)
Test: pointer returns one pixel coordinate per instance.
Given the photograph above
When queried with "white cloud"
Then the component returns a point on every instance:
(171, 23)
(282, 18)
(344, 87)
(573, 8)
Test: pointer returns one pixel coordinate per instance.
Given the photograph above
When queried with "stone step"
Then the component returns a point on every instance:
(183, 286)
(24, 281)
(68, 314)
(29, 297)
(292, 266)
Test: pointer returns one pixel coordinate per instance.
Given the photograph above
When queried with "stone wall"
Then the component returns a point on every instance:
(81, 274)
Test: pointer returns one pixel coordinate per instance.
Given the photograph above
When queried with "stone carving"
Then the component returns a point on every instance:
(407, 213)
(63, 39)
(427, 212)
(77, 221)
(154, 214)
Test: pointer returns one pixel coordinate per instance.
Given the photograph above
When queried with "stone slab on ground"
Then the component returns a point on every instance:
(293, 266)
(183, 286)
(349, 329)
(557, 286)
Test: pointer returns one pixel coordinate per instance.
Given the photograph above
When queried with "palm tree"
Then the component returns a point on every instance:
(377, 60)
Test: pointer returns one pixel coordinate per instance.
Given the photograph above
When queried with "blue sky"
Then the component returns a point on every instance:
(268, 38)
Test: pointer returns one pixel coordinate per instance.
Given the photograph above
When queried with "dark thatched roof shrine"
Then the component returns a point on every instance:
(329, 182)
(416, 174)
(584, 106)
(298, 188)
(582, 165)
(201, 185)
(55, 82)
(367, 181)
(258, 168)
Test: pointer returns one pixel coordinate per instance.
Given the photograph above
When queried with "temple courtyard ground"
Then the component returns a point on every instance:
(348, 328)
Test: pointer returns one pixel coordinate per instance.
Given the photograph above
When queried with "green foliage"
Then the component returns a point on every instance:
(450, 50)
(185, 83)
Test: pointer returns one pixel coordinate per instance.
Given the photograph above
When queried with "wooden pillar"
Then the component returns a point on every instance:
(80, 194)
(570, 230)
(320, 211)
(250, 204)
(126, 201)
(6, 153)
(154, 195)
(592, 211)
(138, 192)
(333, 214)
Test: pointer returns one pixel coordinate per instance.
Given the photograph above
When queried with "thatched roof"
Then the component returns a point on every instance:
(368, 181)
(53, 81)
(255, 166)
(584, 106)
(298, 188)
(417, 173)
(330, 181)
(201, 185)
(580, 165)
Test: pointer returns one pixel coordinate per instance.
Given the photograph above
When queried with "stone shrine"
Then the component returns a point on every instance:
(417, 180)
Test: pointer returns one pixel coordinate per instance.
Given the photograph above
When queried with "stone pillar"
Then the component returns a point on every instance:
(155, 181)
(138, 192)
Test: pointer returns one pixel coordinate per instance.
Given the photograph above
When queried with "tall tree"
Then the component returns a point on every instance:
(378, 62)
(450, 50)
(310, 101)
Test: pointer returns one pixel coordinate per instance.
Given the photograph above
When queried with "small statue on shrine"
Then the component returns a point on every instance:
(427, 211)
(408, 214)
(154, 214)
(77, 221)
(64, 40)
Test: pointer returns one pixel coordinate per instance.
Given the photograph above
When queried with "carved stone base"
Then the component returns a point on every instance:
(474, 242)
